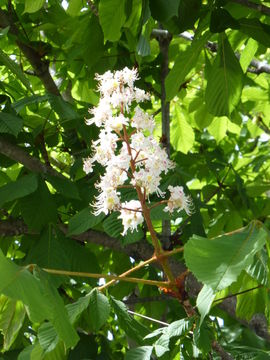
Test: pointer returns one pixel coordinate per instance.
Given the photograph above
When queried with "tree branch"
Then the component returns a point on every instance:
(255, 67)
(18, 154)
(142, 251)
(258, 7)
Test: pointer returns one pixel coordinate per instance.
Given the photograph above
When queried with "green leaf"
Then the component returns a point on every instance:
(140, 353)
(10, 124)
(15, 69)
(255, 29)
(112, 225)
(83, 221)
(38, 209)
(32, 352)
(64, 186)
(24, 186)
(248, 54)
(259, 270)
(218, 262)
(203, 338)
(252, 302)
(112, 18)
(32, 6)
(62, 108)
(12, 314)
(132, 327)
(163, 10)
(37, 294)
(34, 99)
(76, 309)
(204, 301)
(99, 309)
(183, 64)
(182, 134)
(47, 337)
(179, 328)
(74, 7)
(221, 19)
(224, 81)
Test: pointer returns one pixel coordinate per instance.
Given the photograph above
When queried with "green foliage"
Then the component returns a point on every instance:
(217, 86)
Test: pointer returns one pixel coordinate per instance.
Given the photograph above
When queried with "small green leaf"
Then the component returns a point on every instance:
(112, 18)
(218, 262)
(24, 186)
(74, 7)
(12, 315)
(10, 124)
(32, 6)
(99, 309)
(224, 81)
(140, 353)
(83, 221)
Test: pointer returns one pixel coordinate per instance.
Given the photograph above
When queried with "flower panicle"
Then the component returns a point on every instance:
(134, 157)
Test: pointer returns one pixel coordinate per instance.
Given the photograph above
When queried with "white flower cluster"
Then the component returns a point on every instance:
(127, 150)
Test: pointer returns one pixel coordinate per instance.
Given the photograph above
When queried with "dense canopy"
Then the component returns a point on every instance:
(191, 281)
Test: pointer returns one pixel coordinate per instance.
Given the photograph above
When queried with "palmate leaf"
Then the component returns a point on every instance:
(218, 262)
(40, 298)
(224, 80)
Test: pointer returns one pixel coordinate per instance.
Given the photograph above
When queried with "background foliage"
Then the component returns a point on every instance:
(207, 63)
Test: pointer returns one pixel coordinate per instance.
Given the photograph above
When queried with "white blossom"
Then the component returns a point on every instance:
(88, 165)
(106, 201)
(131, 215)
(178, 200)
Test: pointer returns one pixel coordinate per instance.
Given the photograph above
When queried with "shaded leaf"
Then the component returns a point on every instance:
(99, 309)
(10, 124)
(24, 186)
(32, 6)
(83, 221)
(162, 10)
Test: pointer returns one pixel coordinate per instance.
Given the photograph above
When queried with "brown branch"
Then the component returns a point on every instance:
(140, 251)
(257, 7)
(219, 349)
(18, 154)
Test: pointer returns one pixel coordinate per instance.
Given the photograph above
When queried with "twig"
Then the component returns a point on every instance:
(238, 293)
(258, 7)
(219, 349)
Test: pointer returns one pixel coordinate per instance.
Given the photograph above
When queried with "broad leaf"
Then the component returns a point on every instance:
(39, 209)
(218, 262)
(255, 29)
(183, 64)
(99, 309)
(224, 81)
(248, 54)
(112, 18)
(162, 10)
(83, 221)
(64, 186)
(10, 124)
(24, 186)
(37, 294)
